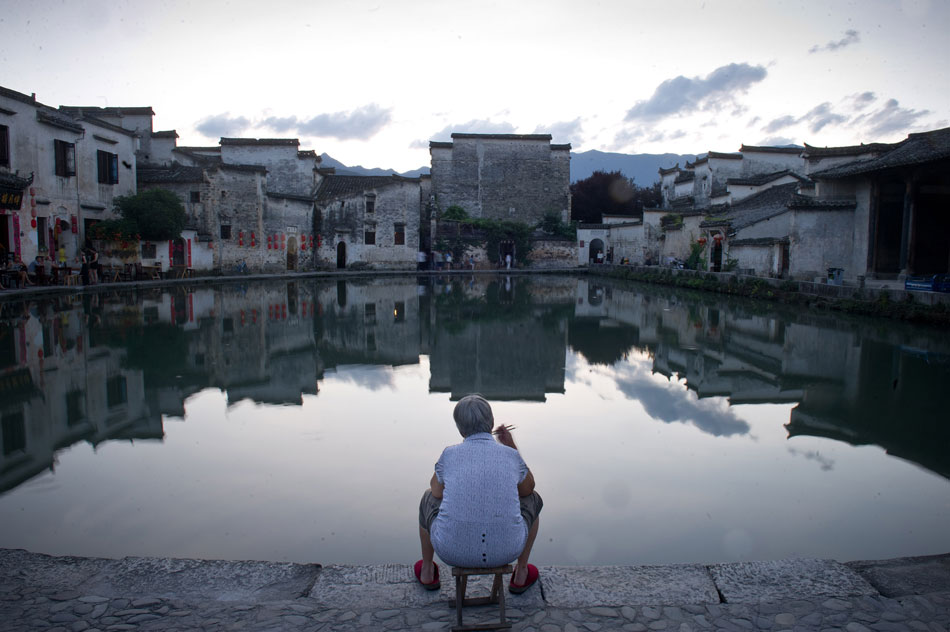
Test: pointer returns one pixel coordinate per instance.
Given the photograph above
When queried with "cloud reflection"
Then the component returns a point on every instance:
(671, 402)
(373, 378)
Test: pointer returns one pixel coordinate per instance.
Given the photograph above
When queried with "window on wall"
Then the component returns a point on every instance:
(108, 167)
(4, 146)
(369, 237)
(14, 433)
(75, 414)
(225, 231)
(116, 393)
(370, 203)
(196, 196)
(148, 251)
(65, 158)
(400, 235)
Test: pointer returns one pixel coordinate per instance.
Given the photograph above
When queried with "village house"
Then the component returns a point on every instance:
(839, 213)
(248, 201)
(900, 193)
(59, 174)
(372, 220)
(706, 187)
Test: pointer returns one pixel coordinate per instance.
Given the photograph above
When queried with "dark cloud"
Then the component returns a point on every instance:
(780, 123)
(219, 125)
(890, 118)
(817, 118)
(563, 131)
(850, 37)
(359, 124)
(863, 100)
(625, 138)
(682, 95)
(821, 116)
(281, 124)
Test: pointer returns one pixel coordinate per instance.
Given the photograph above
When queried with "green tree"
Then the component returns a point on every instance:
(154, 215)
(612, 193)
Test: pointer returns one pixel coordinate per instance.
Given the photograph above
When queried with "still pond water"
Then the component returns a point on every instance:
(299, 421)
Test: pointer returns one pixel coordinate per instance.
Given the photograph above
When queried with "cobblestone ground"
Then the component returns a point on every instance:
(27, 608)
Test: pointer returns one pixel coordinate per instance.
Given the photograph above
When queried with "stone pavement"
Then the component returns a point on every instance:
(40, 592)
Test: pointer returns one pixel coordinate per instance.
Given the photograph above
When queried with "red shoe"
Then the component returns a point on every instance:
(517, 589)
(435, 585)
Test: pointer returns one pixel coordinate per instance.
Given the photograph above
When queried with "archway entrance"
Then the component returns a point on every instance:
(506, 249)
(596, 251)
(341, 255)
(716, 263)
(292, 253)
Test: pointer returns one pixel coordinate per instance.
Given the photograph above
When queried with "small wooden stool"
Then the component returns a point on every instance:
(497, 596)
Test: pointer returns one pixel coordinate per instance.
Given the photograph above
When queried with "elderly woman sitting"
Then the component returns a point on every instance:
(481, 509)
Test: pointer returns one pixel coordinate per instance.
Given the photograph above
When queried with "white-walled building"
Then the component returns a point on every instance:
(60, 172)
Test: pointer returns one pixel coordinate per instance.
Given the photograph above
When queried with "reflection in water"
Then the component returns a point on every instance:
(116, 367)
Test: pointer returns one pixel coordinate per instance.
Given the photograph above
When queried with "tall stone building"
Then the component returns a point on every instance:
(520, 177)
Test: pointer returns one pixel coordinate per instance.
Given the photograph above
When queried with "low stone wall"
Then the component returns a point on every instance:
(552, 253)
(847, 292)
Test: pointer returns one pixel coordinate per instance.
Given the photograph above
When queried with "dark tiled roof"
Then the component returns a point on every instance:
(261, 142)
(195, 148)
(685, 202)
(755, 208)
(437, 144)
(799, 201)
(289, 196)
(83, 110)
(712, 154)
(546, 137)
(672, 169)
(18, 96)
(200, 158)
(851, 150)
(684, 176)
(14, 181)
(106, 125)
(308, 153)
(763, 178)
(169, 133)
(175, 173)
(563, 147)
(759, 241)
(794, 150)
(916, 149)
(335, 187)
(56, 119)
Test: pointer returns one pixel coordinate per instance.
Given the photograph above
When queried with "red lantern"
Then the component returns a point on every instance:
(701, 241)
(33, 222)
(269, 241)
(717, 237)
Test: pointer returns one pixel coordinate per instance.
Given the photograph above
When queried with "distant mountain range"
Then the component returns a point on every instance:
(344, 170)
(643, 168)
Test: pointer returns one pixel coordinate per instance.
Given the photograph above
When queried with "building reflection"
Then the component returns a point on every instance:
(108, 367)
(851, 380)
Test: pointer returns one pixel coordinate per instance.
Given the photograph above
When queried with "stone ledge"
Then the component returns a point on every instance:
(769, 581)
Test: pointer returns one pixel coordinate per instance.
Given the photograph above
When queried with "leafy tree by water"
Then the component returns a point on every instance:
(154, 215)
(610, 193)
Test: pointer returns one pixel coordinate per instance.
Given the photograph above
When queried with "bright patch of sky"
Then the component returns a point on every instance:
(371, 82)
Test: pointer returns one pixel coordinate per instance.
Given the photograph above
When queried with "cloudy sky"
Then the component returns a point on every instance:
(371, 82)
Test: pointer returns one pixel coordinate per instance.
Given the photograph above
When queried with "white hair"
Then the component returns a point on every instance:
(472, 415)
